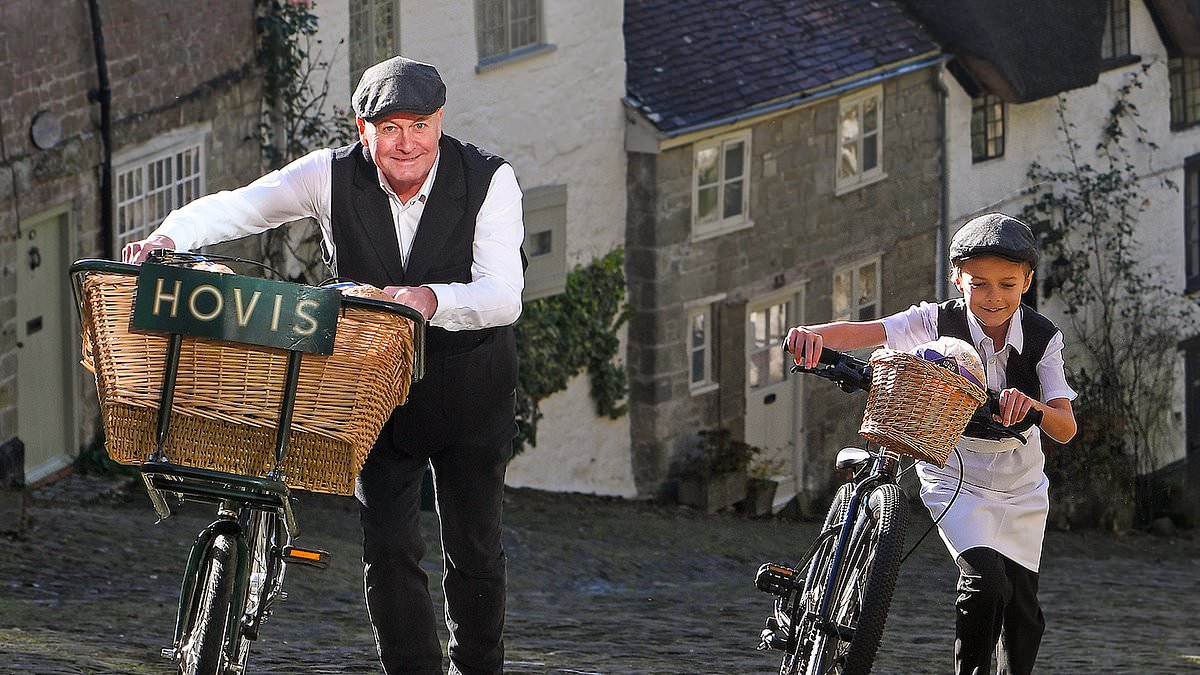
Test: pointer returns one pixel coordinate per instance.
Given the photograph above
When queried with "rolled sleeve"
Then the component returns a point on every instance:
(1052, 374)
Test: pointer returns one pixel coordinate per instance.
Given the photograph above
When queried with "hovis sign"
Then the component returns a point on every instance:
(237, 308)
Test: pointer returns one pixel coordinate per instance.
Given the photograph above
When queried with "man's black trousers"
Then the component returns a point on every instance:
(469, 489)
(997, 610)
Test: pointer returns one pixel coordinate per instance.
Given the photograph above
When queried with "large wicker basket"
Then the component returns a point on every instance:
(227, 395)
(917, 408)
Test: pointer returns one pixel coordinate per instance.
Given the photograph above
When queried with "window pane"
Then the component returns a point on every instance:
(697, 331)
(697, 366)
(870, 115)
(706, 204)
(540, 243)
(870, 152)
(848, 167)
(733, 199)
(775, 365)
(734, 154)
(866, 313)
(706, 166)
(758, 369)
(758, 328)
(850, 129)
(841, 295)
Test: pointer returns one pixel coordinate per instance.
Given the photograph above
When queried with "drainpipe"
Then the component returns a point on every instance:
(103, 96)
(941, 284)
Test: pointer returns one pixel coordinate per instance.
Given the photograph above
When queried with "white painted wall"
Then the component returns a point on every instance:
(1032, 135)
(557, 118)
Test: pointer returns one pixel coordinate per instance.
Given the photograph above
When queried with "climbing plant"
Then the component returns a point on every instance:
(1119, 314)
(560, 336)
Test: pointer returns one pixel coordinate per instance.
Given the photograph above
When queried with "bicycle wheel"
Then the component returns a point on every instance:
(202, 646)
(860, 601)
(262, 534)
(793, 613)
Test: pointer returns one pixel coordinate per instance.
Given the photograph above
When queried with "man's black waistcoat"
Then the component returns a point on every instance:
(466, 395)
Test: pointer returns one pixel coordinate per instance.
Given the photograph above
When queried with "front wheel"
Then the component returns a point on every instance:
(202, 646)
(859, 603)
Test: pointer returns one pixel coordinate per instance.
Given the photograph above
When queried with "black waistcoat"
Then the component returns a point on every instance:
(1021, 370)
(467, 392)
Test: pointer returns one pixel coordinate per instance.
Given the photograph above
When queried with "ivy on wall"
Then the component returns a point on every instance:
(559, 336)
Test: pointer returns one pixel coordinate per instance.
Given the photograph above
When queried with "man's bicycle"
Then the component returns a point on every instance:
(232, 391)
(831, 606)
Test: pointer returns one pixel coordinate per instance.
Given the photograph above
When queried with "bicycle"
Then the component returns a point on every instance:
(831, 607)
(235, 570)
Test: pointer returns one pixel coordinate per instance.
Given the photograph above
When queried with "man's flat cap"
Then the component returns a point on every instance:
(398, 85)
(995, 234)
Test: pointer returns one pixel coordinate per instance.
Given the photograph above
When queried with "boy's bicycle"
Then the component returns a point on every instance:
(231, 421)
(831, 606)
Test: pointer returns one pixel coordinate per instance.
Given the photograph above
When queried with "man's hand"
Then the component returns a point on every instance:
(138, 250)
(419, 298)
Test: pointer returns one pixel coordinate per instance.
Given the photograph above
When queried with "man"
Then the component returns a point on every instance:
(437, 224)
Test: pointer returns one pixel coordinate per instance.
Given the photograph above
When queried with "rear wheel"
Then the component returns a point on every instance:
(262, 533)
(860, 601)
(202, 646)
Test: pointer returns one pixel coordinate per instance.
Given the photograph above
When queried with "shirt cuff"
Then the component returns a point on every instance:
(447, 300)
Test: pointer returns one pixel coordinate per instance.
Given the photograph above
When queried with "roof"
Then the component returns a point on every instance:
(694, 62)
(1178, 22)
(1020, 50)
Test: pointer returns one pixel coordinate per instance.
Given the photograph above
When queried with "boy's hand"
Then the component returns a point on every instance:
(1014, 405)
(805, 346)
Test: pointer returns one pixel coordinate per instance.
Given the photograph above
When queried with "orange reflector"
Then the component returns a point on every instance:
(307, 555)
(782, 570)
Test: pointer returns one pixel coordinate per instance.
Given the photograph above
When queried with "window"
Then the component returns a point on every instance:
(1191, 222)
(374, 34)
(720, 185)
(987, 128)
(860, 143)
(1116, 31)
(767, 327)
(700, 333)
(545, 240)
(505, 27)
(152, 180)
(856, 292)
(1185, 91)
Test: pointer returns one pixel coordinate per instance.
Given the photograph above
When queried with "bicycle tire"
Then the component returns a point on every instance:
(803, 625)
(863, 594)
(261, 535)
(203, 643)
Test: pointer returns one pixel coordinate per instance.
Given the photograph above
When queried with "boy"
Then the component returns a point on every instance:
(996, 526)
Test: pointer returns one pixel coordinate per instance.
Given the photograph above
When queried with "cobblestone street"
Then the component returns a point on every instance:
(595, 586)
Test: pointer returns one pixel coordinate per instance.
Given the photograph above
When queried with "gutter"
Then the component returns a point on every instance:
(802, 99)
(103, 96)
(941, 284)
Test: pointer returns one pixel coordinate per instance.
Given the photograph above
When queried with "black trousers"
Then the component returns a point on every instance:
(997, 605)
(469, 484)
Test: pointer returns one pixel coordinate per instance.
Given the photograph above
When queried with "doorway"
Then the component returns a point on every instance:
(771, 397)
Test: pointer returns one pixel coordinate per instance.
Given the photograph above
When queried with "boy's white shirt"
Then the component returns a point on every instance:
(1004, 498)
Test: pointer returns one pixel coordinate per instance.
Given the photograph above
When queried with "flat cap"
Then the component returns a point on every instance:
(995, 234)
(398, 85)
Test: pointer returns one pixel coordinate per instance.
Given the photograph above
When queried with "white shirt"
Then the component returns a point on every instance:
(303, 189)
(1004, 498)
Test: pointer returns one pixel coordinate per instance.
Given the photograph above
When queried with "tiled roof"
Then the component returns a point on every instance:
(690, 62)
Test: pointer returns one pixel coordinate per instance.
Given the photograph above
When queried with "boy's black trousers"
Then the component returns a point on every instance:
(997, 610)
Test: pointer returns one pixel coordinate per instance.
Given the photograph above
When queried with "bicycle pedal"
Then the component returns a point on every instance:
(772, 639)
(776, 579)
(306, 556)
(168, 653)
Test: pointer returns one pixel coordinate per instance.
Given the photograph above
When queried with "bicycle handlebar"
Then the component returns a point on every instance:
(853, 374)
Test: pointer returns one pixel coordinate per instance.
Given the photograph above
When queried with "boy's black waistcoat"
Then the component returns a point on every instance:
(1021, 370)
(467, 393)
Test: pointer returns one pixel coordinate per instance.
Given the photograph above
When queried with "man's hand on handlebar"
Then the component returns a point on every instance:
(420, 298)
(137, 251)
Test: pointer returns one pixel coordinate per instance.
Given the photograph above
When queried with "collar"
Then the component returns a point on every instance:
(426, 187)
(1015, 337)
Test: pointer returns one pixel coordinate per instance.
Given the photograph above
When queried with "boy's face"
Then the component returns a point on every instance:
(992, 287)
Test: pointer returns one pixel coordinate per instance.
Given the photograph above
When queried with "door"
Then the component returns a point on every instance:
(44, 422)
(771, 397)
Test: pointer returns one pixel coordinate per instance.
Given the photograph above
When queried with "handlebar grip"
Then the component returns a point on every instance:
(829, 357)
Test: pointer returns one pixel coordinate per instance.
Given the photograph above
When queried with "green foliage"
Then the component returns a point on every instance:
(718, 452)
(1120, 315)
(559, 336)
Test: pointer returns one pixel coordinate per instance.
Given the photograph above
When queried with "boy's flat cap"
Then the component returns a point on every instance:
(398, 85)
(995, 234)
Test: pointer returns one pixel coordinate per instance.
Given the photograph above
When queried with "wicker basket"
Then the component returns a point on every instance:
(917, 408)
(227, 395)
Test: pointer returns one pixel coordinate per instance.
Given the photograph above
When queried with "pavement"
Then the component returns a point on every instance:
(596, 585)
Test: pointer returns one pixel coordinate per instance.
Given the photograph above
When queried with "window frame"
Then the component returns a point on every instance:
(708, 380)
(510, 53)
(547, 273)
(1191, 224)
(1180, 69)
(855, 309)
(722, 224)
(356, 73)
(1116, 47)
(983, 108)
(145, 157)
(860, 177)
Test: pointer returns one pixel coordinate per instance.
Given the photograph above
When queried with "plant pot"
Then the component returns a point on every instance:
(760, 497)
(713, 493)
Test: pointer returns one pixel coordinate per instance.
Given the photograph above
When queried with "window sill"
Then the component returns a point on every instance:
(494, 62)
(846, 188)
(1119, 62)
(717, 229)
(984, 160)
(698, 389)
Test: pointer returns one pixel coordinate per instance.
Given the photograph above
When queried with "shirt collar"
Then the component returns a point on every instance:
(1015, 337)
(426, 187)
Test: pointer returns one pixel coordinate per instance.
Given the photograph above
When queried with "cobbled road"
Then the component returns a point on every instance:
(596, 585)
